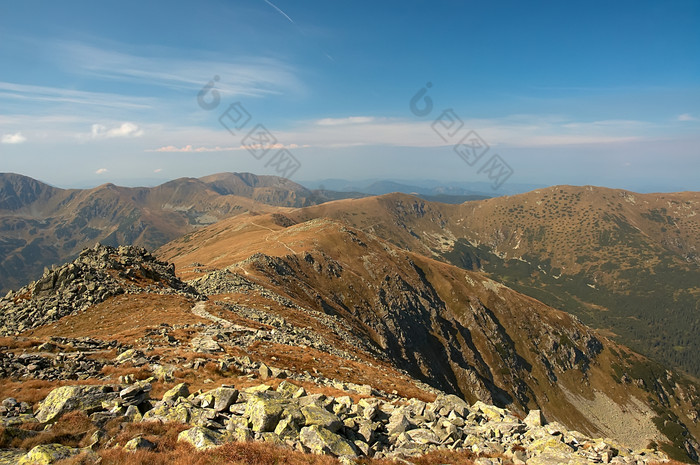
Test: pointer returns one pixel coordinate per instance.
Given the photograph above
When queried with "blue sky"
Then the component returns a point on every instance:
(604, 93)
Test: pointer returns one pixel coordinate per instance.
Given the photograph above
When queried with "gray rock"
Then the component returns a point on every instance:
(139, 443)
(319, 440)
(201, 438)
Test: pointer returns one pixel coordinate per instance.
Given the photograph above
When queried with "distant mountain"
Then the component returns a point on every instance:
(454, 329)
(621, 261)
(42, 225)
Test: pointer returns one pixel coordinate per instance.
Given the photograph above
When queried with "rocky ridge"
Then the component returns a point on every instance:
(97, 274)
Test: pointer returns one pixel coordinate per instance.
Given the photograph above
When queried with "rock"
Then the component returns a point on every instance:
(534, 418)
(179, 413)
(139, 443)
(264, 413)
(201, 438)
(224, 397)
(423, 436)
(133, 414)
(315, 415)
(398, 423)
(206, 344)
(452, 402)
(135, 394)
(68, 398)
(320, 440)
(291, 390)
(491, 412)
(549, 446)
(264, 371)
(177, 391)
(129, 355)
(46, 454)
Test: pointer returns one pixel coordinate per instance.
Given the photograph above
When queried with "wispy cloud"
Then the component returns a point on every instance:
(23, 92)
(16, 138)
(102, 171)
(252, 76)
(191, 149)
(686, 117)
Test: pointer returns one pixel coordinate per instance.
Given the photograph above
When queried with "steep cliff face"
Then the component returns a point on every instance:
(458, 330)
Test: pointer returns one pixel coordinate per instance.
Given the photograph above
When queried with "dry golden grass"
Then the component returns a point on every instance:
(124, 318)
(73, 429)
(34, 390)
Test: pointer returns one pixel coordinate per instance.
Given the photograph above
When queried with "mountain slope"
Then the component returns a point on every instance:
(620, 261)
(454, 329)
(41, 225)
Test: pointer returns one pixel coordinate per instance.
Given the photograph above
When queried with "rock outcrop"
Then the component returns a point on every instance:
(97, 274)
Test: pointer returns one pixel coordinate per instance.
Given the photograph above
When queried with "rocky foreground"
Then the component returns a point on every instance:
(348, 427)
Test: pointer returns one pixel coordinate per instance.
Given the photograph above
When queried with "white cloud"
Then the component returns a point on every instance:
(126, 129)
(16, 138)
(191, 149)
(158, 170)
(686, 117)
(101, 171)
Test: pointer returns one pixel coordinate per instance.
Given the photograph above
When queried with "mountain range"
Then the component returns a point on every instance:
(41, 225)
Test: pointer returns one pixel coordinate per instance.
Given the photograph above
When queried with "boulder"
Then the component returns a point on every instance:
(264, 413)
(177, 391)
(452, 403)
(65, 399)
(320, 440)
(315, 415)
(201, 438)
(224, 397)
(138, 443)
(534, 418)
(423, 436)
(46, 454)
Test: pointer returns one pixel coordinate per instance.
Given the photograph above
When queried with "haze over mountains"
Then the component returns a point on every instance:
(420, 285)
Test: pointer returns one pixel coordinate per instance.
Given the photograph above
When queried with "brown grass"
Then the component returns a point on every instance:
(124, 318)
(34, 390)
(229, 454)
(72, 429)
(11, 343)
